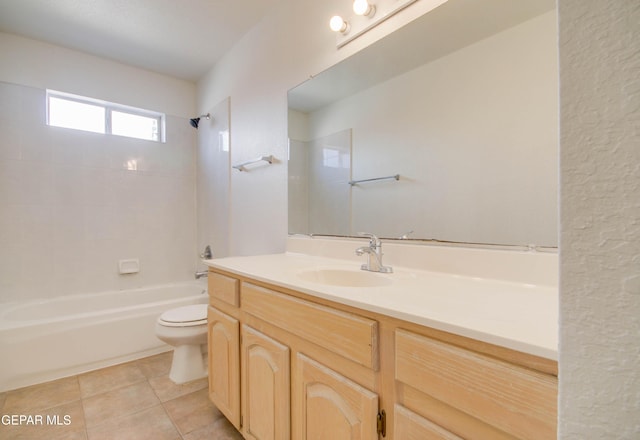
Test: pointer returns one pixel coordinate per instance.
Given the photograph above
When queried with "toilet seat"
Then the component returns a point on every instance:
(186, 316)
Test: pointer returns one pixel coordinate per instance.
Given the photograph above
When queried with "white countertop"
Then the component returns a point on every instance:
(516, 315)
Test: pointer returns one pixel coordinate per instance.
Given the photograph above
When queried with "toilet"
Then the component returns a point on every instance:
(185, 328)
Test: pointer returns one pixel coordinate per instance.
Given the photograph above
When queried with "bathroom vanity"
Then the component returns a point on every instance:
(441, 143)
(307, 346)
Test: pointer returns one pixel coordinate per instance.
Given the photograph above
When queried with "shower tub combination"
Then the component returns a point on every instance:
(49, 339)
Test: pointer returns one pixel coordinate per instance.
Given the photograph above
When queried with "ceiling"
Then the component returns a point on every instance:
(181, 38)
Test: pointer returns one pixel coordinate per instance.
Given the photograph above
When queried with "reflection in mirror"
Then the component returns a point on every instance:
(462, 104)
(318, 170)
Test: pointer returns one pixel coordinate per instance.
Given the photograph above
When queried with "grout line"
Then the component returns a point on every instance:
(129, 415)
(82, 398)
(41, 409)
(172, 421)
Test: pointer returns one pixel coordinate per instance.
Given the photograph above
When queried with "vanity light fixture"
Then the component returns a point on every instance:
(367, 16)
(338, 24)
(363, 7)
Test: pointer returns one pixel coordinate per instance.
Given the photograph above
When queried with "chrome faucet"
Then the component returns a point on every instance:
(206, 254)
(374, 255)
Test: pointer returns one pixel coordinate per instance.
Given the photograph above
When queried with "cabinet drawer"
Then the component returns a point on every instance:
(351, 336)
(411, 426)
(516, 400)
(224, 288)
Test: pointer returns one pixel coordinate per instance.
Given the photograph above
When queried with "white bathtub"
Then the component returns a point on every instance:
(49, 339)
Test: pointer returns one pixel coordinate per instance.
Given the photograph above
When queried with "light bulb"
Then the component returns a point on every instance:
(337, 24)
(362, 7)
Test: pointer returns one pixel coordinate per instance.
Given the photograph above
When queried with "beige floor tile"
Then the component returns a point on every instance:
(120, 402)
(221, 429)
(61, 422)
(116, 403)
(152, 423)
(107, 379)
(75, 434)
(154, 366)
(30, 400)
(72, 434)
(167, 390)
(192, 412)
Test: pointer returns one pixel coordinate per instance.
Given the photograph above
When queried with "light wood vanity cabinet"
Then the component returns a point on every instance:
(285, 365)
(265, 386)
(474, 395)
(224, 364)
(332, 406)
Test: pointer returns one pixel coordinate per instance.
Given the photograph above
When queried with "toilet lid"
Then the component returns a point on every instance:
(190, 314)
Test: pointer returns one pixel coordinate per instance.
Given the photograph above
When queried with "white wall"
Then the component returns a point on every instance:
(70, 207)
(46, 66)
(600, 219)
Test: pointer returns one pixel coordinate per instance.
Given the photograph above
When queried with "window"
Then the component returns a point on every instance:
(136, 126)
(334, 158)
(81, 113)
(77, 115)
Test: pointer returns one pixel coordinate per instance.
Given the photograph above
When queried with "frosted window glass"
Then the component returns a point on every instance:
(89, 114)
(135, 126)
(76, 115)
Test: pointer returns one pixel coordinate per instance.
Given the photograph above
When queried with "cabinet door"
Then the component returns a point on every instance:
(265, 387)
(332, 406)
(224, 364)
(410, 426)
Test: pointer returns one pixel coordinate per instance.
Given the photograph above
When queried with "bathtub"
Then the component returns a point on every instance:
(50, 339)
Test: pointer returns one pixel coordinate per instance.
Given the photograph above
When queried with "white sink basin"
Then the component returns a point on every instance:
(344, 277)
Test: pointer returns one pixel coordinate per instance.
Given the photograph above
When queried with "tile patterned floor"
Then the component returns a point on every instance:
(133, 401)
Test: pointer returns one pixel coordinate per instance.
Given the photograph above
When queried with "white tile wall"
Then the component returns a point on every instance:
(319, 193)
(73, 203)
(213, 181)
(298, 186)
(329, 191)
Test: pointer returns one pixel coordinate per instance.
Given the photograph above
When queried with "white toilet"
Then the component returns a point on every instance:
(185, 328)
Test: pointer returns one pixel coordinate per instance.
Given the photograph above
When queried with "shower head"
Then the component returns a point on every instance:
(195, 121)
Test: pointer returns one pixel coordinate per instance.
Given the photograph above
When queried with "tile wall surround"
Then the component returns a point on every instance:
(329, 190)
(212, 185)
(73, 203)
(298, 186)
(320, 196)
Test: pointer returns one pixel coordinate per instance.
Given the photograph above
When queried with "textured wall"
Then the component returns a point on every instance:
(600, 219)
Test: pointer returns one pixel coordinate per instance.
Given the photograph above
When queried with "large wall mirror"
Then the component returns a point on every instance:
(447, 129)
